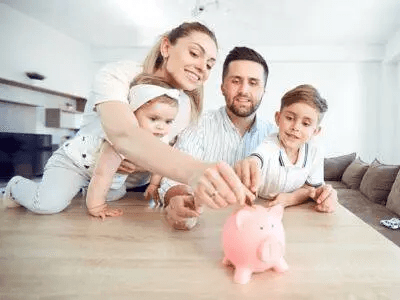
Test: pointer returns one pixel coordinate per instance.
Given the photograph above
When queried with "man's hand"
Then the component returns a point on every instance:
(326, 198)
(249, 172)
(182, 213)
(103, 211)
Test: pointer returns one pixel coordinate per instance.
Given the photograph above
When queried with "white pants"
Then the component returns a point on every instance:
(61, 182)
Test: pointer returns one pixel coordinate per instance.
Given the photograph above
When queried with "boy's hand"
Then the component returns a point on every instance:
(326, 198)
(249, 172)
(152, 193)
(103, 211)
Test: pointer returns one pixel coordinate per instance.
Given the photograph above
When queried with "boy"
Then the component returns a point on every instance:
(288, 164)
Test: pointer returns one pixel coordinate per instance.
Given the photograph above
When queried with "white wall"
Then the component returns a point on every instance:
(352, 79)
(28, 45)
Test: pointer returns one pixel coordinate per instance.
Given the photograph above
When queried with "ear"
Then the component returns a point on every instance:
(241, 217)
(317, 130)
(164, 47)
(277, 210)
(222, 89)
(277, 117)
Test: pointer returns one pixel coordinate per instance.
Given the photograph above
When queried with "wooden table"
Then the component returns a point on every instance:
(136, 256)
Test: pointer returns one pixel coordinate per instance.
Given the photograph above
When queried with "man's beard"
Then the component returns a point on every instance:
(243, 112)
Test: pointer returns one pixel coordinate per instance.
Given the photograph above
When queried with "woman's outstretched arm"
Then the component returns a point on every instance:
(148, 152)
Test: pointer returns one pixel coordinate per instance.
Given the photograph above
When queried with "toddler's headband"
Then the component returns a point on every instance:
(142, 93)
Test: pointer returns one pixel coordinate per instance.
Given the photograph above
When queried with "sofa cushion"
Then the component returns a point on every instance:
(334, 166)
(378, 180)
(337, 184)
(354, 173)
(393, 201)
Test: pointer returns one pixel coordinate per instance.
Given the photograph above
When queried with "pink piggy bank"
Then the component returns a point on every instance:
(254, 241)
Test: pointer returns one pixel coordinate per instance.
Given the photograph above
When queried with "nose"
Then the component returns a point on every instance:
(296, 126)
(201, 65)
(244, 88)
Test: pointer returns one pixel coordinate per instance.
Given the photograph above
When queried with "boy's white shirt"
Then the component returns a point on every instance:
(279, 175)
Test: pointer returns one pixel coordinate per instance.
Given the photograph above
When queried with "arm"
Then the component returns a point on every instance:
(296, 197)
(122, 131)
(101, 181)
(152, 189)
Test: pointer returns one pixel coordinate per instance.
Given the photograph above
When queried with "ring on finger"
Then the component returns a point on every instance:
(213, 195)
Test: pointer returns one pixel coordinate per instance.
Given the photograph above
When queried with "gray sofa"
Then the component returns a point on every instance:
(371, 191)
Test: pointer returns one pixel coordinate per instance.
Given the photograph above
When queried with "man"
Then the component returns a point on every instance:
(228, 134)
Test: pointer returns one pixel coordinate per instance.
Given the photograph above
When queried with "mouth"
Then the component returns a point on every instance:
(159, 135)
(292, 136)
(242, 99)
(193, 77)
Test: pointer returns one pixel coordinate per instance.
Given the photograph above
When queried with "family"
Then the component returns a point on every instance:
(149, 125)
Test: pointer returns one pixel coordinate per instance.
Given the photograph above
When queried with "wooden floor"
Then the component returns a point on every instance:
(136, 256)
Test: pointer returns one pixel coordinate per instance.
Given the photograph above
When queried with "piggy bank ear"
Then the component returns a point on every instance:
(241, 217)
(277, 210)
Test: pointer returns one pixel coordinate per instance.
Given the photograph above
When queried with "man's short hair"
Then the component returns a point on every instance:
(244, 53)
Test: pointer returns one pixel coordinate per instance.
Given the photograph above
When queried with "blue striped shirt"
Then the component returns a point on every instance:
(215, 138)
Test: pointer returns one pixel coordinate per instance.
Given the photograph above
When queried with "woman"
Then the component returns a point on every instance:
(183, 58)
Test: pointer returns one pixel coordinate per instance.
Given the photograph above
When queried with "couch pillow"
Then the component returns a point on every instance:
(393, 201)
(354, 173)
(334, 166)
(377, 181)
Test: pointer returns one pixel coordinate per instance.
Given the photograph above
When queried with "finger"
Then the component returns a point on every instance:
(255, 178)
(250, 197)
(245, 178)
(235, 190)
(326, 191)
(204, 190)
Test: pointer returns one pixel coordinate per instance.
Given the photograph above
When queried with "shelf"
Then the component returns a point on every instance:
(80, 101)
(61, 118)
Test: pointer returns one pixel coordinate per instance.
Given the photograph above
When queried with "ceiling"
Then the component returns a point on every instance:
(127, 23)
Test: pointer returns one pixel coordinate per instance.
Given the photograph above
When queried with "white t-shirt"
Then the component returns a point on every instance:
(112, 84)
(279, 175)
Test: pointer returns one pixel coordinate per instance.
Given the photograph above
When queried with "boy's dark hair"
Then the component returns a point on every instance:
(307, 94)
(244, 53)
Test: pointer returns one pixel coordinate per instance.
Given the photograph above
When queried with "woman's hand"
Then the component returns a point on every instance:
(217, 186)
(103, 211)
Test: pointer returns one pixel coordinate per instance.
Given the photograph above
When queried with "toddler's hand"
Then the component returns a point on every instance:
(103, 211)
(152, 193)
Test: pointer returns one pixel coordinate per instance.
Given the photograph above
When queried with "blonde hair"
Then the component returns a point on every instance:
(154, 60)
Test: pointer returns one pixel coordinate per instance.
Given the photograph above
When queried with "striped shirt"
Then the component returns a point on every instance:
(215, 138)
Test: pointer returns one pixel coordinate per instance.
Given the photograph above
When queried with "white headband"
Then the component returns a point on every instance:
(142, 93)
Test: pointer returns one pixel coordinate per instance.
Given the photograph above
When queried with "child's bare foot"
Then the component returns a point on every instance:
(8, 199)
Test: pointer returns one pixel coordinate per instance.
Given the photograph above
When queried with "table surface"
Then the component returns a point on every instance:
(136, 256)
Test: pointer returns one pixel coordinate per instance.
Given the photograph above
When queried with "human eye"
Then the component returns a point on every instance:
(194, 53)
(253, 82)
(169, 122)
(289, 118)
(235, 80)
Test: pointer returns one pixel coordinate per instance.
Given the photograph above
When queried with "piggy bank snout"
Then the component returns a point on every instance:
(270, 249)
